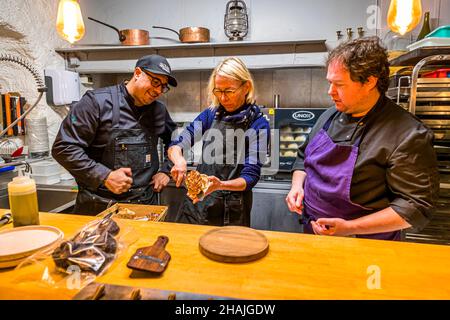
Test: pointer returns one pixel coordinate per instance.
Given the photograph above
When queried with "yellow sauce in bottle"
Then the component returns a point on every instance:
(23, 201)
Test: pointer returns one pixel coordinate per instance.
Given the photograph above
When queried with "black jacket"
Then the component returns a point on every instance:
(396, 164)
(87, 129)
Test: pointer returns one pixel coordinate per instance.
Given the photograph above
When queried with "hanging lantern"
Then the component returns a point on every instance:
(69, 22)
(404, 15)
(236, 20)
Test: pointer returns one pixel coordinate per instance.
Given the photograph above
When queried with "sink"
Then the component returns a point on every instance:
(49, 200)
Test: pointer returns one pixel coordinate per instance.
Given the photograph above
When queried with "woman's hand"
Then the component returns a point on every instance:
(214, 185)
(178, 171)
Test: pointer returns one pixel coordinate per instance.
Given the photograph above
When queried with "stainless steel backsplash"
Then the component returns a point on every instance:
(297, 87)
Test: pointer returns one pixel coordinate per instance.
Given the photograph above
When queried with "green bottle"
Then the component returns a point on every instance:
(425, 27)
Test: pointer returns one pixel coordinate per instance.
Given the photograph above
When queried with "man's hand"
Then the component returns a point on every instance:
(119, 181)
(178, 171)
(294, 200)
(332, 227)
(159, 181)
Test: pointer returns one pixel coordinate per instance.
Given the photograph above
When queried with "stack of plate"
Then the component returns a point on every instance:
(19, 243)
(429, 42)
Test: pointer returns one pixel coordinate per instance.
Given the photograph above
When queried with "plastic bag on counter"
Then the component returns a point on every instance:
(92, 249)
(72, 264)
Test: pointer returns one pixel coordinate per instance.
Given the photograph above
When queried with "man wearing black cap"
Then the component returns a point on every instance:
(108, 141)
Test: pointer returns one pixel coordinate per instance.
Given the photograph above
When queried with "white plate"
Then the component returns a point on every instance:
(21, 242)
(429, 42)
(11, 263)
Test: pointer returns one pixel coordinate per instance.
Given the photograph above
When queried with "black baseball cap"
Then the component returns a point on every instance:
(157, 64)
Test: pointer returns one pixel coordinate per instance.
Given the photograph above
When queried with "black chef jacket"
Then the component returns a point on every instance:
(396, 164)
(87, 125)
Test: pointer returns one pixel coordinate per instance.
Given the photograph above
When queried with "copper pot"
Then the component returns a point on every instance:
(129, 37)
(190, 34)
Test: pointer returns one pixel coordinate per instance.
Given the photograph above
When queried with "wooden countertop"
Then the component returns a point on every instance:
(298, 266)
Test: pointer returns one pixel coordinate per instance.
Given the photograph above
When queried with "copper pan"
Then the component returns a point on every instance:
(129, 37)
(190, 34)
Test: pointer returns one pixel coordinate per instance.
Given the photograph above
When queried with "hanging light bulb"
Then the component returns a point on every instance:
(69, 22)
(404, 15)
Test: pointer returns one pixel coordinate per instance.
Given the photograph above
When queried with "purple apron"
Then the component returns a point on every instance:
(329, 169)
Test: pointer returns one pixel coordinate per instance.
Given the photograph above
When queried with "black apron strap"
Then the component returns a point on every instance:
(329, 120)
(115, 90)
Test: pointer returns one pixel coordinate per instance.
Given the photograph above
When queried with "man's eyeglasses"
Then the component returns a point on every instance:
(156, 83)
(228, 92)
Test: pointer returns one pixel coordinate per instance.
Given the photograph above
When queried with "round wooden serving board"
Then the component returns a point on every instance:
(234, 244)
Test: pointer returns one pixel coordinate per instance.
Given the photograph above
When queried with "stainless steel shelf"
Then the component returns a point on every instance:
(90, 52)
(198, 56)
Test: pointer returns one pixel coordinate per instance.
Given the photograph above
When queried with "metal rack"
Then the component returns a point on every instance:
(429, 100)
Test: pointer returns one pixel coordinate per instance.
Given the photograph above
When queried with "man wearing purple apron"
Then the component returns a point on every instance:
(368, 168)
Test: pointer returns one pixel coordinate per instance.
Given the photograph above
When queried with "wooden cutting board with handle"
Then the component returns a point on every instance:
(153, 258)
(234, 244)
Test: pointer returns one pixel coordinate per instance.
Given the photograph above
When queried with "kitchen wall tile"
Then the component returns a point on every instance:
(319, 89)
(264, 87)
(186, 96)
(293, 86)
(204, 101)
(297, 87)
(104, 80)
(444, 18)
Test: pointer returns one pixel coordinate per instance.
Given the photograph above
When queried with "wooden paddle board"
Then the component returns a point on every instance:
(233, 244)
(152, 259)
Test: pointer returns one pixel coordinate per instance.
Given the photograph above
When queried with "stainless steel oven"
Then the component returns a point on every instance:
(292, 126)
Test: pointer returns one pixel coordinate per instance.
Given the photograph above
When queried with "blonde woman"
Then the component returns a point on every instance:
(234, 135)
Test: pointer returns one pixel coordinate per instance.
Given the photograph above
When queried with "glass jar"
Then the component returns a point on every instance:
(397, 44)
